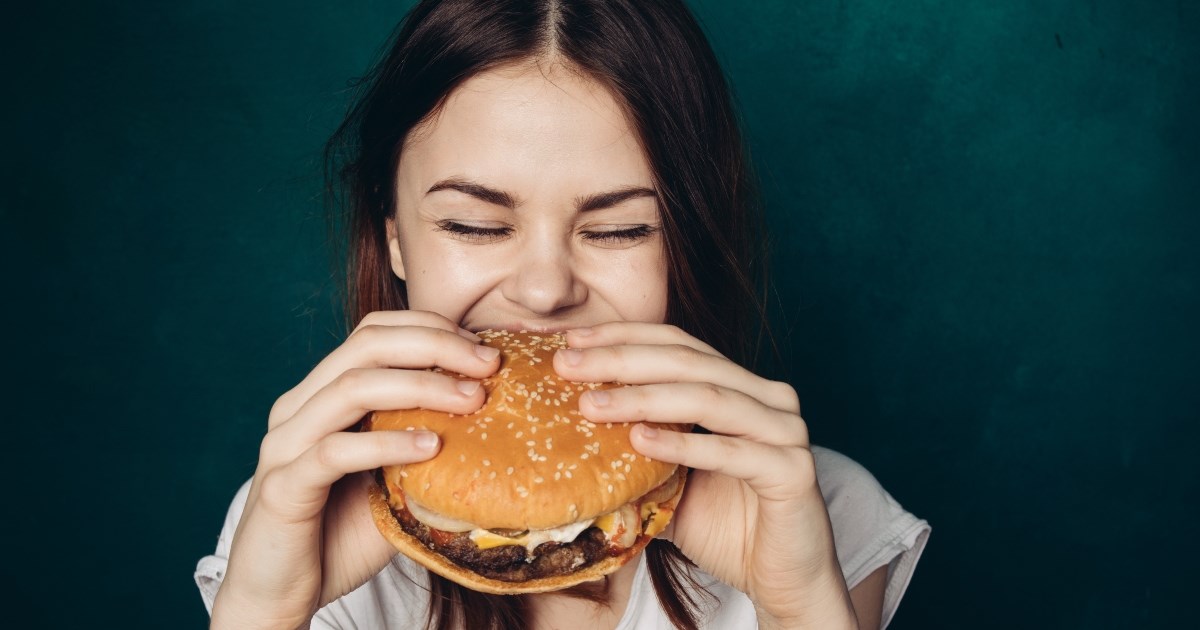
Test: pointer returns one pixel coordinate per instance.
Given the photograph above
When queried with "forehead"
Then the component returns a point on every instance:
(527, 123)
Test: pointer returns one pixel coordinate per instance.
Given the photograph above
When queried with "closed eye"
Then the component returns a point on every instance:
(635, 233)
(487, 234)
(474, 232)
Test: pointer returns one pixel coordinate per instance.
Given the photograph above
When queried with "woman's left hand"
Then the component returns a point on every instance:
(752, 514)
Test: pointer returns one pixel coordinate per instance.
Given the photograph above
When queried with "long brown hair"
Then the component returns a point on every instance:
(654, 58)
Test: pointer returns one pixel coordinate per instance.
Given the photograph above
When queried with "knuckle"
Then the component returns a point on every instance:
(681, 352)
(802, 462)
(281, 409)
(801, 428)
(269, 448)
(352, 380)
(709, 394)
(272, 486)
(328, 452)
(374, 318)
(787, 396)
(675, 333)
(368, 335)
(727, 447)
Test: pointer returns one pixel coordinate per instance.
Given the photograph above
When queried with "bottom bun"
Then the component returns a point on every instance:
(413, 548)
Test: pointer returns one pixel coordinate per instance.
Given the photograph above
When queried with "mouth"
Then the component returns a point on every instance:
(534, 328)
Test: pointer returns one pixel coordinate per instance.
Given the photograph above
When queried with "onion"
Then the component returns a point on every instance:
(435, 520)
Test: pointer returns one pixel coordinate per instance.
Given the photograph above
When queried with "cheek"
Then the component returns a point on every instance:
(636, 287)
(446, 280)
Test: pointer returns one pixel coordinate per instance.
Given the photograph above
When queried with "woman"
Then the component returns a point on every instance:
(566, 165)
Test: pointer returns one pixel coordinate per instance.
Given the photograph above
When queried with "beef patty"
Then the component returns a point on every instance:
(509, 563)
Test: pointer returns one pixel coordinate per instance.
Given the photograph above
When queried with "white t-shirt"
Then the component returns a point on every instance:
(870, 530)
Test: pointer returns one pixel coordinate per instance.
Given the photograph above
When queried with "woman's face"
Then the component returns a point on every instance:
(527, 203)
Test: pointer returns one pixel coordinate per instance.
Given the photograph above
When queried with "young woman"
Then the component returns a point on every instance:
(565, 165)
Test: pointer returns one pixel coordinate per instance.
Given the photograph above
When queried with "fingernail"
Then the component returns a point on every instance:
(463, 332)
(425, 440)
(571, 356)
(487, 353)
(582, 332)
(649, 432)
(599, 397)
(468, 388)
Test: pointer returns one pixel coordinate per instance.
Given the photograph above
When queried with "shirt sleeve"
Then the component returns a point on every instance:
(871, 529)
(210, 570)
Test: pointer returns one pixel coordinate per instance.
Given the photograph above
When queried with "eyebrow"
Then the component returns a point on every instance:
(595, 201)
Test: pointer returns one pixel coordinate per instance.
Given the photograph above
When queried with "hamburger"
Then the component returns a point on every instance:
(526, 495)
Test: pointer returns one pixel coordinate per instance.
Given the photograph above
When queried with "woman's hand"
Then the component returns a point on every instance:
(306, 536)
(752, 514)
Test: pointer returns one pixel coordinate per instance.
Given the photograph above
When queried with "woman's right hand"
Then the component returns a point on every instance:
(306, 536)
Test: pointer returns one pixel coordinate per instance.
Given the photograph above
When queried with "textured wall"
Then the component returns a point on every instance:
(985, 217)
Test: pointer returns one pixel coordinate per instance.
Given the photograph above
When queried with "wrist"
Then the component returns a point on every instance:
(825, 604)
(232, 611)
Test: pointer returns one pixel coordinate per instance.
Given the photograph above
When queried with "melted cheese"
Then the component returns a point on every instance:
(655, 518)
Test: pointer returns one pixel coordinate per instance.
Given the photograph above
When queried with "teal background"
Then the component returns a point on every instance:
(985, 217)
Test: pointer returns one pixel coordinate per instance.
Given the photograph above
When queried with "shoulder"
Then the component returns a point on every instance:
(870, 528)
(846, 485)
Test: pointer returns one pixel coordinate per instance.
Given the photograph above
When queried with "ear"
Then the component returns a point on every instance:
(393, 242)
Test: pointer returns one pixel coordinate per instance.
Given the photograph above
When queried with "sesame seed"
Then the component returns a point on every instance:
(462, 458)
(492, 475)
(538, 479)
(557, 476)
(610, 488)
(470, 429)
(483, 435)
(519, 433)
(487, 462)
(568, 474)
(509, 470)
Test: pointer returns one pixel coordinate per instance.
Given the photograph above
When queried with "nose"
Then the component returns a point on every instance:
(545, 280)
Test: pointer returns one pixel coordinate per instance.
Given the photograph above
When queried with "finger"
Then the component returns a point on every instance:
(410, 347)
(428, 319)
(299, 489)
(639, 333)
(718, 409)
(356, 392)
(642, 364)
(772, 472)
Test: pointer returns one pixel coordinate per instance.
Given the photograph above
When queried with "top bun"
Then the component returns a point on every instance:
(528, 459)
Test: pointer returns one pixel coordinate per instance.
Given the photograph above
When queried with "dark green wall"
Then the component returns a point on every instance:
(986, 218)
